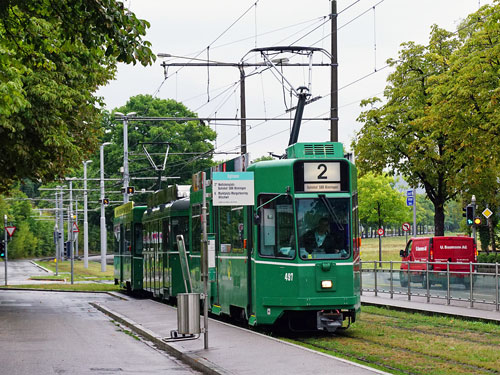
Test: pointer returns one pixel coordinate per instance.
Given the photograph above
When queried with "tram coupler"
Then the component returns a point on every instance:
(329, 320)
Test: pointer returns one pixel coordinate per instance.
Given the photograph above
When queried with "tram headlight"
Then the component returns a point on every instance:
(326, 284)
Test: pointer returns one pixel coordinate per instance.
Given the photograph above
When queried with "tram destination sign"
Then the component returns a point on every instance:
(233, 189)
(321, 176)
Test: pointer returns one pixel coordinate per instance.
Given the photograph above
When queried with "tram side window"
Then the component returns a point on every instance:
(128, 240)
(196, 225)
(116, 231)
(138, 238)
(180, 225)
(276, 228)
(231, 229)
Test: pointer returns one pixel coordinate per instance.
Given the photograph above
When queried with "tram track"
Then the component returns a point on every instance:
(393, 348)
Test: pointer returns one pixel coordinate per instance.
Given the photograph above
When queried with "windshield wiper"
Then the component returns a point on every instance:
(332, 213)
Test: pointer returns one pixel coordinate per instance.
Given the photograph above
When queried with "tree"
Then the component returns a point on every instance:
(379, 203)
(54, 55)
(441, 113)
(190, 149)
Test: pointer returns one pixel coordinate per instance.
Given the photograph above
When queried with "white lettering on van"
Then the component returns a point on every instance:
(420, 248)
(451, 247)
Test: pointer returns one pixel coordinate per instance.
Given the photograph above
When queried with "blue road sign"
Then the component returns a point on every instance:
(409, 201)
(409, 193)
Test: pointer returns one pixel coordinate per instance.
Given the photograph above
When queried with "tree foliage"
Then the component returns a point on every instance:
(441, 110)
(379, 203)
(33, 235)
(54, 55)
(189, 151)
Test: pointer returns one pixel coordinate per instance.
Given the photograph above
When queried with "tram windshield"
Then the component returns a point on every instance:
(323, 228)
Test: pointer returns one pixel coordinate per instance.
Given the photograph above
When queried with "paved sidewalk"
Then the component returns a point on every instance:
(438, 306)
(232, 350)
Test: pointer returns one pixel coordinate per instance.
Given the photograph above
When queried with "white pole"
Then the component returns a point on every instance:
(103, 217)
(56, 230)
(125, 160)
(126, 176)
(414, 212)
(205, 261)
(5, 248)
(70, 227)
(85, 217)
(61, 224)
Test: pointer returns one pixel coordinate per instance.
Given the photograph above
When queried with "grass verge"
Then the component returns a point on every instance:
(68, 287)
(411, 343)
(80, 273)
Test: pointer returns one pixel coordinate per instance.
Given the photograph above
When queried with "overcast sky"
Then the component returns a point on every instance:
(370, 32)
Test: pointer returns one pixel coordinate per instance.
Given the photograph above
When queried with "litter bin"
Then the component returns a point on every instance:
(188, 313)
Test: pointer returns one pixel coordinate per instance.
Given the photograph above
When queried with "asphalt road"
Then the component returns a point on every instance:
(19, 272)
(60, 333)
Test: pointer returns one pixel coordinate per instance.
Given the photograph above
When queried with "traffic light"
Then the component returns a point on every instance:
(2, 249)
(130, 190)
(477, 221)
(105, 201)
(469, 217)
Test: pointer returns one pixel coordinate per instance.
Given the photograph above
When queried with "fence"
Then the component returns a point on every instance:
(371, 232)
(470, 282)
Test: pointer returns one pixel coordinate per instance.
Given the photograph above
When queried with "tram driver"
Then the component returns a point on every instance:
(321, 240)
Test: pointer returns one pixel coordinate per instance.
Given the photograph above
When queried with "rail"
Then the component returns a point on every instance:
(469, 282)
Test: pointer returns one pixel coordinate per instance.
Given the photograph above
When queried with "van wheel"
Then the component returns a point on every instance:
(402, 280)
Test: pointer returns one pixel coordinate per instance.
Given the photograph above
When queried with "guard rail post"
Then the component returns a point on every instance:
(447, 282)
(496, 285)
(375, 275)
(360, 278)
(409, 282)
(427, 281)
(471, 286)
(392, 283)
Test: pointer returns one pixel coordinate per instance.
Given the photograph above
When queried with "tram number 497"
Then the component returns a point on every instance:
(289, 276)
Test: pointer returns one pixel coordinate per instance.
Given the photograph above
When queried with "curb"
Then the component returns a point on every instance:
(39, 266)
(195, 361)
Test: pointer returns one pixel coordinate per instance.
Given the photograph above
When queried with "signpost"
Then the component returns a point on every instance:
(380, 232)
(406, 227)
(411, 196)
(10, 230)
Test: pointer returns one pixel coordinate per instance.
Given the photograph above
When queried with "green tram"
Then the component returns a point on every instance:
(291, 259)
(166, 217)
(272, 263)
(127, 260)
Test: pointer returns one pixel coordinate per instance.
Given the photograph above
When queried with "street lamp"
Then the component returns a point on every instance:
(126, 176)
(103, 217)
(85, 217)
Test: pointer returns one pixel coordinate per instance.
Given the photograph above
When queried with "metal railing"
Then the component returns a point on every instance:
(469, 282)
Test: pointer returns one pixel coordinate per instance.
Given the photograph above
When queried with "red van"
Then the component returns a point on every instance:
(438, 249)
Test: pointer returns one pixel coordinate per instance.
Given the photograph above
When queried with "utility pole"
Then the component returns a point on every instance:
(6, 260)
(243, 111)
(70, 226)
(334, 97)
(126, 176)
(61, 223)
(103, 217)
(85, 217)
(56, 230)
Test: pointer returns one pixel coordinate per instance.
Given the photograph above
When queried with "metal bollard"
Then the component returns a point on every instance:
(392, 283)
(375, 275)
(496, 285)
(447, 283)
(409, 282)
(470, 285)
(427, 281)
